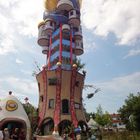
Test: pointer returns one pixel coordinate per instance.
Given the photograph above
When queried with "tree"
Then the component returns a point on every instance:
(101, 117)
(32, 115)
(107, 119)
(79, 64)
(129, 109)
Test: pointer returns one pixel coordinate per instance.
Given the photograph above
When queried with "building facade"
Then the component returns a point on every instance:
(117, 121)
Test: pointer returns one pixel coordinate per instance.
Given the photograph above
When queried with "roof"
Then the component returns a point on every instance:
(115, 115)
(92, 124)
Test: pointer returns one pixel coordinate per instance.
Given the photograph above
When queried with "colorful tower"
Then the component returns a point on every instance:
(60, 84)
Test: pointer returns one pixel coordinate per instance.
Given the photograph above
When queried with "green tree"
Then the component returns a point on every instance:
(102, 118)
(129, 109)
(106, 118)
(32, 115)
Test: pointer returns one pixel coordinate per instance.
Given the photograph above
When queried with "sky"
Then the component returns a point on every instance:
(111, 32)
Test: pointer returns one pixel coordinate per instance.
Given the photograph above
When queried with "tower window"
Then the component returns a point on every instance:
(51, 103)
(77, 83)
(41, 98)
(39, 86)
(52, 81)
(65, 106)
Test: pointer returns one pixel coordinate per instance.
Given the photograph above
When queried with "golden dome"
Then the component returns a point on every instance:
(58, 63)
(50, 5)
(74, 65)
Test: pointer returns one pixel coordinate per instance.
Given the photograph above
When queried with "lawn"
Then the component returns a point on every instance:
(126, 135)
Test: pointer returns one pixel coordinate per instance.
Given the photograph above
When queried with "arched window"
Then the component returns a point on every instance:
(65, 106)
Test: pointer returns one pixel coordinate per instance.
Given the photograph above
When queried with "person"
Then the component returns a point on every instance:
(6, 134)
(22, 135)
(78, 136)
(15, 134)
(1, 135)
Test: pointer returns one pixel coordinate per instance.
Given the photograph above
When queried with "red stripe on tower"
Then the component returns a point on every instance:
(60, 46)
(72, 91)
(44, 104)
(58, 97)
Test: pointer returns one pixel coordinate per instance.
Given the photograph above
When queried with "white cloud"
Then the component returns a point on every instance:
(28, 15)
(18, 61)
(6, 36)
(7, 45)
(3, 24)
(26, 72)
(18, 19)
(122, 85)
(7, 3)
(21, 86)
(132, 53)
(2, 93)
(89, 45)
(114, 92)
(120, 17)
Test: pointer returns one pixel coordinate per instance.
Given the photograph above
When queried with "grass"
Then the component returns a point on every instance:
(121, 135)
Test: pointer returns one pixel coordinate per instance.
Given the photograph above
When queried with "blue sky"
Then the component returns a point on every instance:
(111, 33)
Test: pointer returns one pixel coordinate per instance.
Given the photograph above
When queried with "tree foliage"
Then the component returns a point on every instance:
(130, 112)
(102, 118)
(32, 115)
(79, 64)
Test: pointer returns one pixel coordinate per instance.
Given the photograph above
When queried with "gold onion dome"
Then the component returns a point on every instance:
(50, 5)
(74, 65)
(58, 63)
